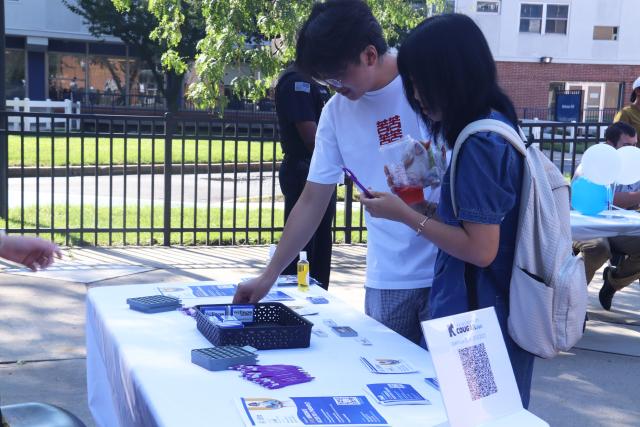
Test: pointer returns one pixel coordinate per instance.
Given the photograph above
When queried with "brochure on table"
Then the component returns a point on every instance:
(212, 289)
(386, 365)
(474, 372)
(303, 411)
(395, 394)
(287, 280)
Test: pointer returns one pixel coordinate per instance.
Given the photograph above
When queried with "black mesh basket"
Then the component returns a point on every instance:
(274, 326)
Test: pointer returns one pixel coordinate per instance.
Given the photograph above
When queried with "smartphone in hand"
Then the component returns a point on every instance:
(353, 178)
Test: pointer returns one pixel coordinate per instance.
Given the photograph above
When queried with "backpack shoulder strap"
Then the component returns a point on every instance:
(516, 139)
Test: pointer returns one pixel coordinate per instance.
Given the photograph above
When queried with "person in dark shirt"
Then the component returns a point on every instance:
(299, 102)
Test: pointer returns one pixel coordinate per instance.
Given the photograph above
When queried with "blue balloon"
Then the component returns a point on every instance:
(589, 198)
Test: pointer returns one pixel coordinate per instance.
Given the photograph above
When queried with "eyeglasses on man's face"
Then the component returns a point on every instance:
(334, 83)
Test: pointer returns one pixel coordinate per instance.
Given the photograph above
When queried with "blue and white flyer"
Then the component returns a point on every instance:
(387, 365)
(396, 394)
(212, 289)
(287, 280)
(310, 411)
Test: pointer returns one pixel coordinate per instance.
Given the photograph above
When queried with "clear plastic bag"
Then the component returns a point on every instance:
(412, 165)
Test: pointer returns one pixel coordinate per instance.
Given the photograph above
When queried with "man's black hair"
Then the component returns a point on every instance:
(448, 61)
(334, 35)
(615, 131)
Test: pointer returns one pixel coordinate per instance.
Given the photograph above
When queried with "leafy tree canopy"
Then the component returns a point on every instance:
(135, 27)
(257, 36)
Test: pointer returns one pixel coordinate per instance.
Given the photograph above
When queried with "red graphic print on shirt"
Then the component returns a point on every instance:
(389, 130)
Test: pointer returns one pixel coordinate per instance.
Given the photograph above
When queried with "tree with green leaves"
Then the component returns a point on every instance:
(135, 27)
(257, 36)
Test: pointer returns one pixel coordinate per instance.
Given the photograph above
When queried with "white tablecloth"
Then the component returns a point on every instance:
(606, 224)
(139, 370)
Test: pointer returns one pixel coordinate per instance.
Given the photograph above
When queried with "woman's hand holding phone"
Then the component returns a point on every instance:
(355, 180)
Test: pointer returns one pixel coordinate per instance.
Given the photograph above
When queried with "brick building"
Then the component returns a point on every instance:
(543, 46)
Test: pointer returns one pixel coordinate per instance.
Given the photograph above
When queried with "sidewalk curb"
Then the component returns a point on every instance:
(104, 170)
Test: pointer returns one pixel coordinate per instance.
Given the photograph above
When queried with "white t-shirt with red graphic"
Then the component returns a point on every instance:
(350, 134)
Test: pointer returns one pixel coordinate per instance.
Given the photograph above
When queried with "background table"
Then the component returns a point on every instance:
(139, 370)
(615, 223)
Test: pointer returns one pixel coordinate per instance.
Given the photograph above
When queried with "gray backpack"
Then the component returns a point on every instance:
(548, 289)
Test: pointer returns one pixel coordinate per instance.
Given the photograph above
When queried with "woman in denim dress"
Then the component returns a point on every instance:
(450, 79)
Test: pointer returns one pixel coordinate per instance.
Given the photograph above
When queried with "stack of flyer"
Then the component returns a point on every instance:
(337, 411)
(396, 394)
(382, 365)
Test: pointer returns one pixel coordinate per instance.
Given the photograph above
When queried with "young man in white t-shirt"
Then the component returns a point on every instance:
(341, 44)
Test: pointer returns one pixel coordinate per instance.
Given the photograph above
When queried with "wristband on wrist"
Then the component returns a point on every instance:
(422, 224)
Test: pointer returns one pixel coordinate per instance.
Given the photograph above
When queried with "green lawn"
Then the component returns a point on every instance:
(145, 149)
(580, 147)
(130, 238)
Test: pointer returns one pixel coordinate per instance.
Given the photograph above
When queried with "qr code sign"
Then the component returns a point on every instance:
(477, 369)
(346, 401)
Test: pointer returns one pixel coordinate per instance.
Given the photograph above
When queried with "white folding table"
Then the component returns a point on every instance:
(139, 371)
(606, 224)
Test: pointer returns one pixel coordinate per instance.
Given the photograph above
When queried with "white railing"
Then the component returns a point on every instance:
(30, 123)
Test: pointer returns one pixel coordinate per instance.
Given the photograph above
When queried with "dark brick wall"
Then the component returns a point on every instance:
(527, 83)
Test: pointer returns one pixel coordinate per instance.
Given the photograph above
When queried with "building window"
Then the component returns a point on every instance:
(531, 18)
(488, 6)
(107, 80)
(557, 18)
(605, 33)
(450, 6)
(67, 76)
(14, 78)
(436, 8)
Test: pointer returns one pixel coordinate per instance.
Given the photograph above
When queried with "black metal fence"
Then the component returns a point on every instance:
(589, 115)
(176, 179)
(117, 180)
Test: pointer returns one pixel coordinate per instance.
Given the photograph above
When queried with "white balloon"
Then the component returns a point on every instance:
(601, 164)
(630, 165)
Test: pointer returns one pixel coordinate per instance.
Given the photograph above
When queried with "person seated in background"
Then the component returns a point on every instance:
(598, 251)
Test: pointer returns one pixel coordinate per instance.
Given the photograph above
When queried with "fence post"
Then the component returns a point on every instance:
(169, 128)
(348, 210)
(4, 165)
(4, 124)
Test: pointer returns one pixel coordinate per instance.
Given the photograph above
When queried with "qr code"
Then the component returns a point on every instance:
(345, 401)
(477, 369)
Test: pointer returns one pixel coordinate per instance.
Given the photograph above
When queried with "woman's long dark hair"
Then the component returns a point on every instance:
(450, 64)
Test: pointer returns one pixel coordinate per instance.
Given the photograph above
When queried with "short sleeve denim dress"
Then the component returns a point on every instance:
(488, 184)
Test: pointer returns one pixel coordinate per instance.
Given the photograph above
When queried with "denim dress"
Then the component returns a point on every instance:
(488, 185)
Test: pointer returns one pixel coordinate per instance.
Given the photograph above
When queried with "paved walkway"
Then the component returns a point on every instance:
(42, 351)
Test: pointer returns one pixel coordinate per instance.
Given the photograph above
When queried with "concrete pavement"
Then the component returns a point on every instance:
(42, 351)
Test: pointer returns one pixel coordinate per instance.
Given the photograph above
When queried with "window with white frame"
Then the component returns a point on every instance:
(557, 18)
(448, 6)
(488, 6)
(544, 18)
(531, 18)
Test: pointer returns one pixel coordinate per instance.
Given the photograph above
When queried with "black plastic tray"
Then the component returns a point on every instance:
(274, 326)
